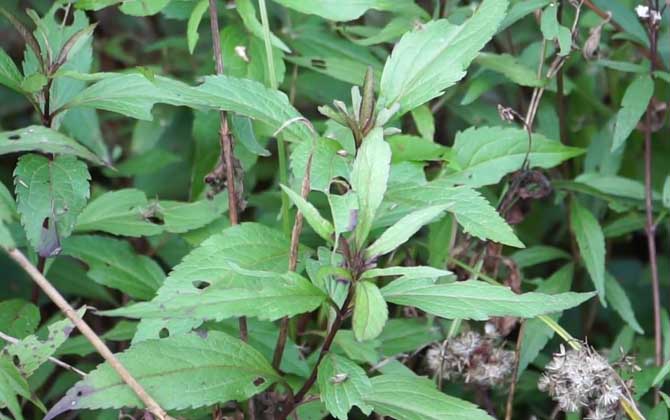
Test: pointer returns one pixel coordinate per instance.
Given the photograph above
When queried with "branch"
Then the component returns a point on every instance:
(90, 335)
(55, 361)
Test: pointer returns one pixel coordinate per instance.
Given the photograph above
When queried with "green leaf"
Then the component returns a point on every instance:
(226, 369)
(192, 35)
(10, 75)
(519, 10)
(31, 352)
(400, 232)
(538, 254)
(666, 193)
(370, 311)
(404, 335)
(50, 196)
(620, 302)
(143, 7)
(552, 30)
(412, 148)
(83, 125)
(18, 318)
(472, 211)
(414, 398)
(482, 156)
(536, 334)
(45, 140)
(633, 105)
(432, 58)
(11, 385)
(114, 263)
(277, 296)
(591, 242)
(34, 83)
(180, 217)
(345, 10)
(340, 68)
(122, 212)
(342, 384)
(424, 121)
(326, 163)
(510, 67)
(247, 12)
(477, 300)
(368, 180)
(414, 272)
(253, 100)
(320, 225)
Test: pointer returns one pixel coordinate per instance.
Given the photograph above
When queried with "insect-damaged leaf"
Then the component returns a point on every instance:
(45, 140)
(342, 384)
(50, 193)
(179, 372)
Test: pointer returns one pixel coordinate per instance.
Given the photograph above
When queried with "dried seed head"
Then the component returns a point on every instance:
(582, 378)
(506, 114)
(475, 358)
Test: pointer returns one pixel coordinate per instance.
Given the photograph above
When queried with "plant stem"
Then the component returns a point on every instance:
(292, 264)
(515, 371)
(281, 146)
(90, 335)
(13, 340)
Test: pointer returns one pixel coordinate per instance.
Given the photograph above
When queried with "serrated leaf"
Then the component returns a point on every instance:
(122, 212)
(414, 398)
(400, 232)
(30, 353)
(477, 300)
(536, 334)
(472, 211)
(617, 297)
(192, 35)
(432, 58)
(482, 156)
(273, 297)
(633, 105)
(320, 225)
(216, 367)
(342, 384)
(50, 196)
(45, 140)
(11, 385)
(345, 10)
(510, 67)
(370, 311)
(591, 242)
(18, 317)
(368, 180)
(114, 263)
(10, 75)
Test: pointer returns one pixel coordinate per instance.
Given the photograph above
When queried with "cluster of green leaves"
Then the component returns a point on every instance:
(110, 144)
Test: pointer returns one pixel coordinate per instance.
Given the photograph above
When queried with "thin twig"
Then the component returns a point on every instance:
(90, 335)
(515, 371)
(55, 361)
(292, 263)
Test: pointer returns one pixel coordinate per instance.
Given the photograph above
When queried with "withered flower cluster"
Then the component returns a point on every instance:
(583, 379)
(478, 359)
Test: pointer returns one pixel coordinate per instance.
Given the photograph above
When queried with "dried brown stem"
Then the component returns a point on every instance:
(90, 335)
(13, 340)
(512, 390)
(292, 264)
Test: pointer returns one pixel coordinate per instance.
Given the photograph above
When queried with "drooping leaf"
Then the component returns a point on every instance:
(216, 367)
(482, 156)
(123, 212)
(477, 300)
(345, 10)
(553, 30)
(617, 297)
(18, 318)
(273, 297)
(320, 225)
(415, 398)
(10, 75)
(342, 384)
(114, 263)
(424, 121)
(400, 232)
(591, 242)
(370, 311)
(634, 103)
(30, 353)
(432, 58)
(192, 35)
(51, 194)
(45, 140)
(368, 179)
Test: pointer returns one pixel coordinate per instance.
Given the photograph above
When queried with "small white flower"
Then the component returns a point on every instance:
(241, 52)
(642, 11)
(655, 17)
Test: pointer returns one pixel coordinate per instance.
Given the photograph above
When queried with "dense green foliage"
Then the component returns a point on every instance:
(406, 209)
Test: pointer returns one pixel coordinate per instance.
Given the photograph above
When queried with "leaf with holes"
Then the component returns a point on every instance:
(51, 194)
(216, 367)
(42, 139)
(342, 384)
(114, 263)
